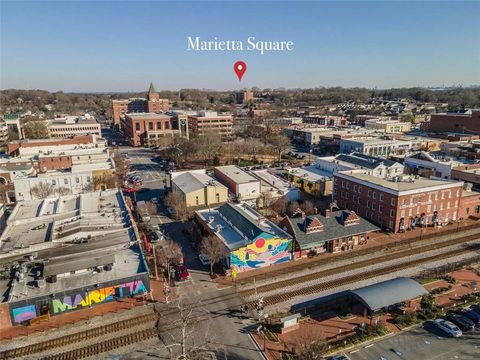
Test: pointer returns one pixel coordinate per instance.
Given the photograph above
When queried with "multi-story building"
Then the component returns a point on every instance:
(244, 97)
(459, 121)
(388, 126)
(240, 183)
(311, 180)
(141, 129)
(152, 104)
(103, 262)
(374, 166)
(325, 120)
(65, 126)
(47, 168)
(399, 203)
(211, 121)
(197, 189)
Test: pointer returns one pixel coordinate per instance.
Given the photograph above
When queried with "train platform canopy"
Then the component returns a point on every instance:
(388, 293)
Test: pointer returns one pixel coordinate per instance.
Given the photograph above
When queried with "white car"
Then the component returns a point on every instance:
(204, 259)
(155, 200)
(450, 328)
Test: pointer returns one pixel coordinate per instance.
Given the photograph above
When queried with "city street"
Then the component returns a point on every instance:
(422, 343)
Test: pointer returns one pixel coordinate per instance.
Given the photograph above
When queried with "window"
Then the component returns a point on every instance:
(380, 208)
(374, 206)
(150, 126)
(65, 181)
(77, 180)
(369, 193)
(355, 187)
(449, 194)
(348, 186)
(368, 204)
(54, 182)
(354, 198)
(392, 202)
(137, 126)
(404, 201)
(381, 197)
(391, 213)
(359, 189)
(88, 179)
(374, 195)
(343, 184)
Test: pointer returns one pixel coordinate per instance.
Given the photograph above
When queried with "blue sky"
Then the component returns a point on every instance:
(123, 45)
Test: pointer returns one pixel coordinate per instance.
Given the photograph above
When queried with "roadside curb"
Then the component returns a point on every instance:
(257, 346)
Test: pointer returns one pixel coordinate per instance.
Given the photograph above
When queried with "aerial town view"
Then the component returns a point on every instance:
(255, 180)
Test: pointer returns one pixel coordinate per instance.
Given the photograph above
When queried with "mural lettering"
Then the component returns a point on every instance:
(263, 251)
(70, 302)
(97, 296)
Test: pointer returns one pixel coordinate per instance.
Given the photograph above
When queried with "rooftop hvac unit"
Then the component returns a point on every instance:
(52, 279)
(108, 267)
(218, 228)
(40, 283)
(210, 219)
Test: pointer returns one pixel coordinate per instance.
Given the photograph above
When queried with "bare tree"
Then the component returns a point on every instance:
(280, 143)
(308, 207)
(175, 201)
(209, 144)
(42, 190)
(61, 191)
(167, 253)
(35, 129)
(107, 181)
(309, 344)
(214, 248)
(280, 205)
(187, 331)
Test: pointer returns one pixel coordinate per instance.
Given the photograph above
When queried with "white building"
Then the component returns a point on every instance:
(240, 183)
(388, 126)
(431, 164)
(73, 126)
(275, 186)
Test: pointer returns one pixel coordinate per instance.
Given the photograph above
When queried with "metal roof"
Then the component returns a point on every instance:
(193, 181)
(390, 292)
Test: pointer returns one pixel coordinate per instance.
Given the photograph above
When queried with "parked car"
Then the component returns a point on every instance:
(448, 327)
(340, 357)
(204, 259)
(153, 236)
(471, 314)
(464, 323)
(155, 200)
(182, 272)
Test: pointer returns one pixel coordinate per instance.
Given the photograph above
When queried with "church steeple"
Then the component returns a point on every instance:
(151, 89)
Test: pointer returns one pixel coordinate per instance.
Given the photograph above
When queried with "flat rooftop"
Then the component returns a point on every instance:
(237, 174)
(188, 181)
(311, 173)
(270, 181)
(36, 223)
(408, 183)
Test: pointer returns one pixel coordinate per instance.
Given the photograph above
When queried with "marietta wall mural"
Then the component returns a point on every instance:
(264, 250)
(78, 300)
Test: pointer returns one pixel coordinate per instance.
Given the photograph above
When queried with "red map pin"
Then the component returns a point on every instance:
(240, 67)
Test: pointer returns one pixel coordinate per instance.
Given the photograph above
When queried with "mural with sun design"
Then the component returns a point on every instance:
(264, 250)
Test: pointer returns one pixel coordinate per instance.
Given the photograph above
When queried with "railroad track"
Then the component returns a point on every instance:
(104, 346)
(356, 265)
(396, 246)
(77, 337)
(312, 289)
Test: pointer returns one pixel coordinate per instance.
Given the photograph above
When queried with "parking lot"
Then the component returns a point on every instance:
(145, 167)
(427, 342)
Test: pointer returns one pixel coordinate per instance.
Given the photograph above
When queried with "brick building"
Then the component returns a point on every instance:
(464, 121)
(469, 204)
(399, 203)
(151, 104)
(147, 128)
(206, 121)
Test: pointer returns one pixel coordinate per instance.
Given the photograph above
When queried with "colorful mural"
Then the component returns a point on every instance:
(24, 313)
(264, 250)
(78, 300)
(97, 296)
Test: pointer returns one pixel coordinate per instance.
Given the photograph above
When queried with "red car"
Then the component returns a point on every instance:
(183, 273)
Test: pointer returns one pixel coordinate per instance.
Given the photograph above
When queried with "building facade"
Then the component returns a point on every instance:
(69, 126)
(400, 203)
(240, 183)
(459, 122)
(197, 189)
(209, 121)
(152, 104)
(142, 129)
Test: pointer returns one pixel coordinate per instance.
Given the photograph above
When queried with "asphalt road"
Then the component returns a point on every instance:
(425, 343)
(224, 304)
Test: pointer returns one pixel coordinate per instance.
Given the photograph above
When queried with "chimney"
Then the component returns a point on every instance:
(328, 213)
